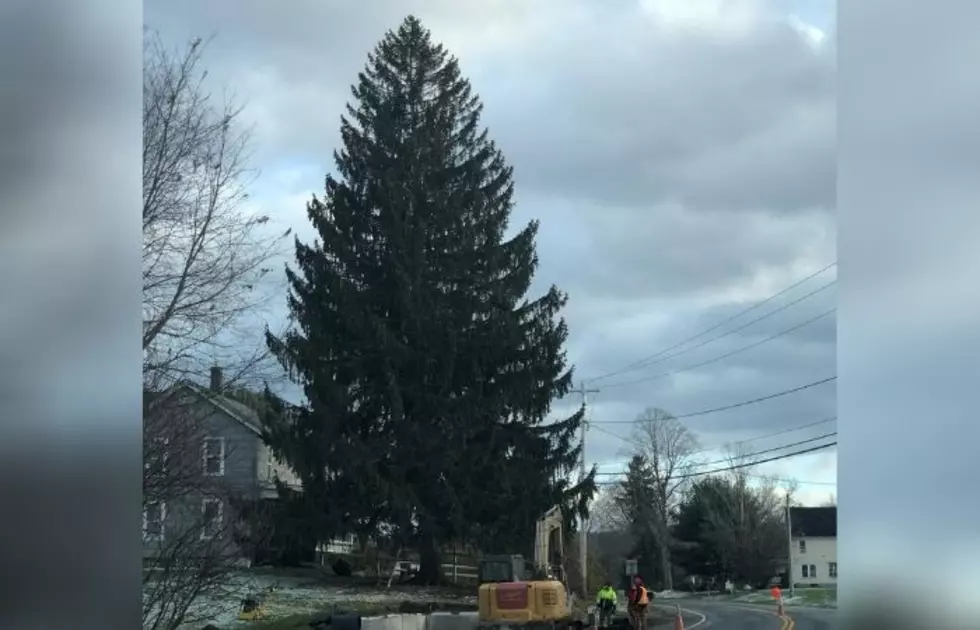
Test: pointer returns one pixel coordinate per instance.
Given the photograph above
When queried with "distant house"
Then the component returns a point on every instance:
(233, 459)
(813, 545)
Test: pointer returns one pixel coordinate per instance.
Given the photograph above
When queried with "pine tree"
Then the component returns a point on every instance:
(427, 371)
(635, 497)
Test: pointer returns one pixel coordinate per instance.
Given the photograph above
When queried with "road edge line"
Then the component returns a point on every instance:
(704, 618)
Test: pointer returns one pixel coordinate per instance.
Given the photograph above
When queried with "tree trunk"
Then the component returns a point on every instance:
(666, 567)
(430, 562)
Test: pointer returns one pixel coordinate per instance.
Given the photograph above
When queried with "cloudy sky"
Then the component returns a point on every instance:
(680, 155)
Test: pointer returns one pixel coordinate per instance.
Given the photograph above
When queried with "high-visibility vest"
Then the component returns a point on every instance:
(642, 599)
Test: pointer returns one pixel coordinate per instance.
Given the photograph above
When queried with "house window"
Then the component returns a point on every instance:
(806, 571)
(153, 517)
(832, 569)
(813, 571)
(214, 456)
(156, 452)
(212, 511)
(802, 546)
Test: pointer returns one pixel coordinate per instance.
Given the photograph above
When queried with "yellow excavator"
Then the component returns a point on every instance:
(512, 593)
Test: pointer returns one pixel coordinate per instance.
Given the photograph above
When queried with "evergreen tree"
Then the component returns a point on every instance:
(635, 498)
(427, 371)
(699, 550)
(727, 528)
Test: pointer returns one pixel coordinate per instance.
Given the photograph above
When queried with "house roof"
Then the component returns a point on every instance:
(244, 415)
(818, 522)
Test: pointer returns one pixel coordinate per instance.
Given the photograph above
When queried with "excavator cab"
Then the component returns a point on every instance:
(513, 592)
(497, 569)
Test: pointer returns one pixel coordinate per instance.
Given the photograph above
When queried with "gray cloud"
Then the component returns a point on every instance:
(706, 122)
(679, 172)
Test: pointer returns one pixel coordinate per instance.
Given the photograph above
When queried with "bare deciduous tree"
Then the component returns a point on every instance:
(606, 513)
(204, 254)
(791, 487)
(205, 259)
(669, 447)
(192, 551)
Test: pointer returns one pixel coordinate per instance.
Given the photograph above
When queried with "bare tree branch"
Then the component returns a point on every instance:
(206, 257)
(606, 513)
(792, 486)
(668, 447)
(206, 277)
(192, 554)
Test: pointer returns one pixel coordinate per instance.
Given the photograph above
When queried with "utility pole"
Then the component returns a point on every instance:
(789, 547)
(583, 549)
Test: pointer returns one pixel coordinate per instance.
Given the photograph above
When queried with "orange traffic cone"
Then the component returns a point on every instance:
(678, 620)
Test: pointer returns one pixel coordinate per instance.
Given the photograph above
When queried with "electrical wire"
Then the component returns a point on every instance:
(773, 434)
(746, 456)
(744, 403)
(777, 458)
(715, 471)
(643, 362)
(732, 444)
(723, 356)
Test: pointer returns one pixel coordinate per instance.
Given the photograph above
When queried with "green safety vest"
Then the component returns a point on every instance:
(606, 594)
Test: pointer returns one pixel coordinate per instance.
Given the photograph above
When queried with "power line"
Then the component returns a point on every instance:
(644, 361)
(723, 356)
(715, 471)
(748, 455)
(739, 442)
(746, 441)
(776, 458)
(802, 482)
(773, 434)
(744, 403)
(648, 363)
(772, 449)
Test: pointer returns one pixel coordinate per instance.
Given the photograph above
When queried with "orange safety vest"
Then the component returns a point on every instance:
(642, 599)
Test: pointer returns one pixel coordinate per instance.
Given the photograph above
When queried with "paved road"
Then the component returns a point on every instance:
(702, 615)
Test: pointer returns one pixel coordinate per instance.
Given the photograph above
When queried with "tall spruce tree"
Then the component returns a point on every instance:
(635, 497)
(428, 373)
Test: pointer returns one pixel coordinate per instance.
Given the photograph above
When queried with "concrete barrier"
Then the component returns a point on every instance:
(394, 622)
(452, 621)
(434, 621)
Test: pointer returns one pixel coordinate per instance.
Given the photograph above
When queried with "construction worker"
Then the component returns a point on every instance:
(637, 600)
(605, 602)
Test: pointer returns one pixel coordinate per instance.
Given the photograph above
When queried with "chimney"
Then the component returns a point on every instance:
(216, 379)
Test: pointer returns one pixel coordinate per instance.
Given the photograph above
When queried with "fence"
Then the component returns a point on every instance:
(462, 569)
(458, 566)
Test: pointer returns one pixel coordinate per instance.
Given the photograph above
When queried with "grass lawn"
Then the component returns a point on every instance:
(823, 597)
(293, 622)
(365, 609)
(816, 596)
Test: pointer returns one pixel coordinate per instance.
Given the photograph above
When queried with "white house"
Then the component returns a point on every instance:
(813, 545)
